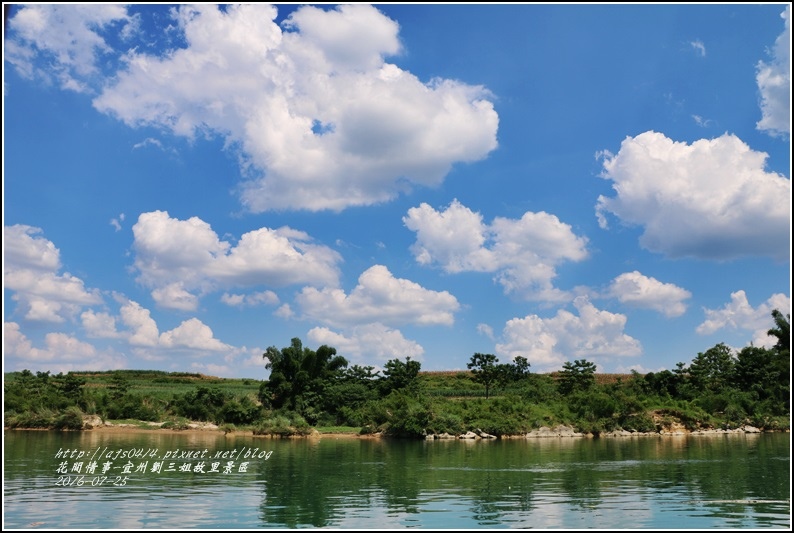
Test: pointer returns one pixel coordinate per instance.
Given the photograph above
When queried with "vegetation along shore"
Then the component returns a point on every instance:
(316, 393)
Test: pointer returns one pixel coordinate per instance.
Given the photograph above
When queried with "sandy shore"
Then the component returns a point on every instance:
(207, 428)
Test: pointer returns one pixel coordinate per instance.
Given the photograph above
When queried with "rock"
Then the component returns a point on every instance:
(91, 421)
(559, 431)
(468, 435)
(751, 429)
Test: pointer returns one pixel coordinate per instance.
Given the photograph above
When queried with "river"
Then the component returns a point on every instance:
(152, 480)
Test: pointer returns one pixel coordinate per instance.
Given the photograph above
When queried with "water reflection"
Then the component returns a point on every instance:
(671, 482)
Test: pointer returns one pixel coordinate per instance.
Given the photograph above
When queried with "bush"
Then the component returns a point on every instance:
(283, 425)
(71, 419)
(176, 424)
(43, 418)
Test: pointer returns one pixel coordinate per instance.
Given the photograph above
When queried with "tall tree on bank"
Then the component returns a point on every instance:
(486, 370)
(576, 376)
(299, 376)
(399, 375)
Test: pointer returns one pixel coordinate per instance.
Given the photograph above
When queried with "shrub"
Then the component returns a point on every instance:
(283, 425)
(71, 419)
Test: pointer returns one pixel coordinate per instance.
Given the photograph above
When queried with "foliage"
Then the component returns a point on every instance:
(285, 424)
(485, 370)
(713, 369)
(71, 418)
(576, 377)
(399, 375)
(299, 377)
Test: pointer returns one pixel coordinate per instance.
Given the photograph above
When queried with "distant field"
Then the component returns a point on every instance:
(163, 385)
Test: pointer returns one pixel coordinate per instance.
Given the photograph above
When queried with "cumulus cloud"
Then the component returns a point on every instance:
(774, 84)
(30, 271)
(712, 199)
(174, 296)
(250, 300)
(66, 38)
(192, 334)
(549, 342)
(522, 253)
(99, 325)
(175, 257)
(368, 340)
(379, 297)
(60, 353)
(637, 290)
(141, 331)
(320, 120)
(284, 311)
(738, 314)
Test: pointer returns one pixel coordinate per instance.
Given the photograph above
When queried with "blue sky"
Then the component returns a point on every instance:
(186, 186)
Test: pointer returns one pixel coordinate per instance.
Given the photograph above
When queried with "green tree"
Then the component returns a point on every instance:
(782, 331)
(782, 359)
(576, 376)
(713, 369)
(299, 377)
(398, 375)
(486, 370)
(515, 371)
(70, 386)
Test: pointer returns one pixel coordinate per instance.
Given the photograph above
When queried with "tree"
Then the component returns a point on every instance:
(399, 375)
(486, 371)
(299, 377)
(576, 376)
(782, 331)
(516, 371)
(713, 369)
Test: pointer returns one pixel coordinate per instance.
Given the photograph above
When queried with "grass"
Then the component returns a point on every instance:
(339, 429)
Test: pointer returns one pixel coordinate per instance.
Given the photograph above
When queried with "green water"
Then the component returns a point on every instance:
(727, 481)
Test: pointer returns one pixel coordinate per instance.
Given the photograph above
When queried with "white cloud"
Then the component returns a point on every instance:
(379, 297)
(523, 253)
(176, 256)
(548, 343)
(284, 311)
(738, 314)
(369, 340)
(321, 121)
(250, 300)
(142, 332)
(60, 353)
(31, 265)
(210, 369)
(712, 199)
(116, 222)
(65, 38)
(485, 329)
(22, 250)
(637, 290)
(702, 122)
(99, 325)
(143, 329)
(774, 84)
(192, 334)
(174, 296)
(699, 47)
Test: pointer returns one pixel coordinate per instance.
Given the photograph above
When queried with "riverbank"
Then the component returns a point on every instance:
(558, 432)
